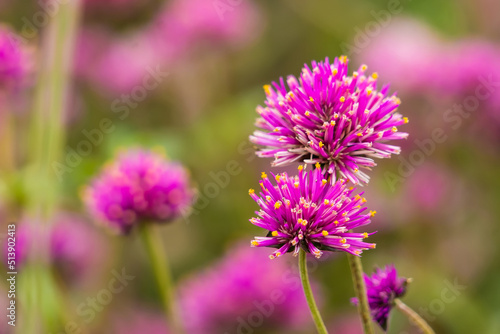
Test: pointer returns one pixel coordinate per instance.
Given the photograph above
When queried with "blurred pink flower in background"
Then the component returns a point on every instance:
(139, 187)
(139, 321)
(76, 248)
(442, 72)
(203, 22)
(244, 290)
(116, 64)
(15, 62)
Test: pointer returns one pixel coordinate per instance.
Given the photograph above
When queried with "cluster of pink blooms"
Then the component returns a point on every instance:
(338, 123)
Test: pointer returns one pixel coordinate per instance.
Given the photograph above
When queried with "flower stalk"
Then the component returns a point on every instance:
(304, 277)
(413, 316)
(360, 291)
(161, 270)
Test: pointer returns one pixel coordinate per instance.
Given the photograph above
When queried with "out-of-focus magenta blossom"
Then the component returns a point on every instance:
(140, 186)
(331, 118)
(242, 292)
(431, 64)
(14, 61)
(309, 212)
(75, 248)
(383, 286)
(201, 21)
(117, 65)
(140, 321)
(428, 188)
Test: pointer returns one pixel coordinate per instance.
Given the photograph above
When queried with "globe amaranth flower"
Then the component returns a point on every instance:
(308, 211)
(14, 61)
(139, 186)
(328, 117)
(241, 293)
(382, 288)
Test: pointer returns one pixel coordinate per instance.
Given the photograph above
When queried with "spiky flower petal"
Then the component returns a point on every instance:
(326, 116)
(308, 211)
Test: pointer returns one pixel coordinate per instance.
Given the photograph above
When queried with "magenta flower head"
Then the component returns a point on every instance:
(243, 294)
(383, 287)
(308, 211)
(139, 186)
(14, 61)
(328, 117)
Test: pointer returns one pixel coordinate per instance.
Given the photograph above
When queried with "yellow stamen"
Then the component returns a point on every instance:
(332, 123)
(274, 233)
(359, 134)
(336, 222)
(394, 129)
(307, 113)
(311, 99)
(373, 246)
(276, 129)
(326, 202)
(369, 91)
(255, 243)
(277, 205)
(335, 71)
(278, 177)
(263, 175)
(323, 182)
(364, 67)
(300, 167)
(343, 240)
(251, 191)
(296, 184)
(375, 75)
(372, 213)
(342, 99)
(267, 89)
(321, 144)
(365, 235)
(317, 165)
(406, 120)
(325, 233)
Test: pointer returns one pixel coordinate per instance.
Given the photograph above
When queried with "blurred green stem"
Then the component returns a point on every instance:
(156, 252)
(304, 277)
(360, 290)
(46, 146)
(414, 317)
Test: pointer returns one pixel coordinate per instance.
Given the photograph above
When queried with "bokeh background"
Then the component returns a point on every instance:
(437, 202)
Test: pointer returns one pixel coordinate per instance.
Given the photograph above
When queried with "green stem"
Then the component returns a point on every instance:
(159, 263)
(414, 317)
(360, 290)
(47, 135)
(318, 321)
